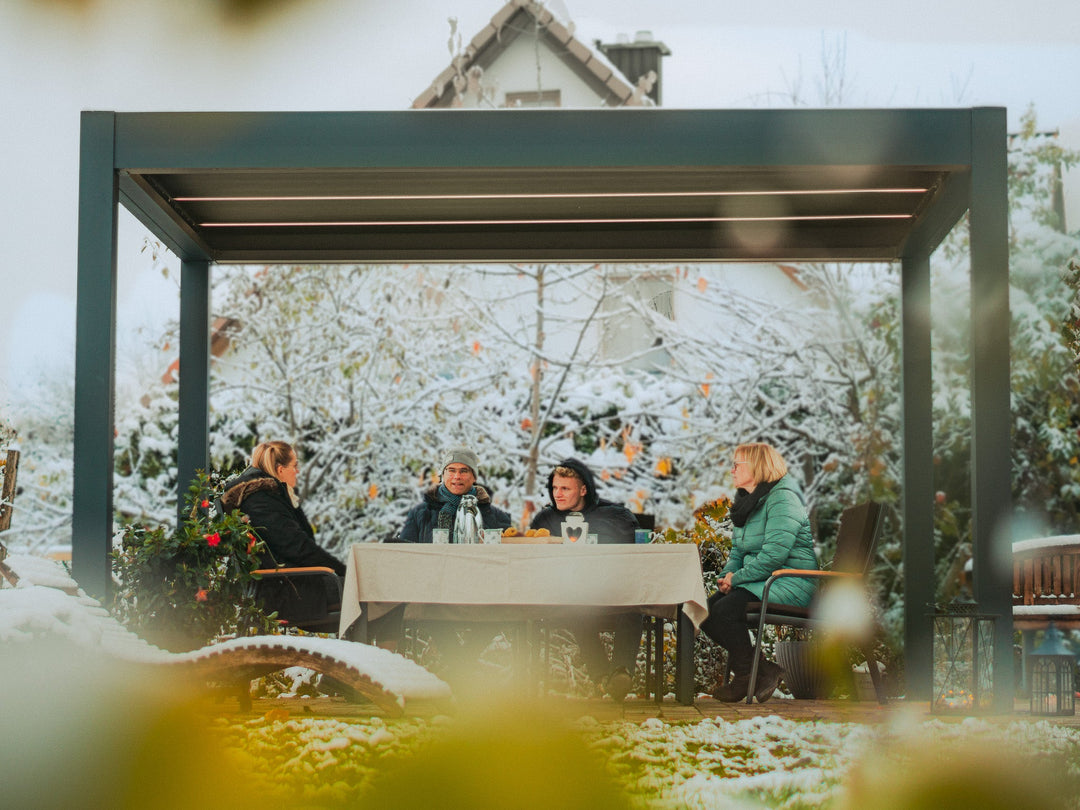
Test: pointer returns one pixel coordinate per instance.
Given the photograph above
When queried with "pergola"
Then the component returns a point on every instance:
(641, 185)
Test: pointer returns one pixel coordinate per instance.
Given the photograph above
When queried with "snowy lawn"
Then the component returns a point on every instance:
(120, 738)
(125, 735)
(765, 761)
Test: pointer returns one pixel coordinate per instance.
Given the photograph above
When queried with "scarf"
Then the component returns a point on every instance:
(294, 499)
(451, 502)
(746, 502)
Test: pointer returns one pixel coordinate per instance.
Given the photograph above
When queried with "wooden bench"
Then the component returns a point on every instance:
(9, 468)
(1046, 588)
(1046, 583)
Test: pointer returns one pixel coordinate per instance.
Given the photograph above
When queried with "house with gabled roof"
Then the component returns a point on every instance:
(527, 56)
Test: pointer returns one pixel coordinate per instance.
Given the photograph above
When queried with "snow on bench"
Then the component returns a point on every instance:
(1046, 582)
(47, 602)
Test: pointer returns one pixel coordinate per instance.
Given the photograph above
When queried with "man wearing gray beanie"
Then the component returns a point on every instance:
(438, 508)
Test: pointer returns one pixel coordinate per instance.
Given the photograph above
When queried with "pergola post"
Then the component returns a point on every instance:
(95, 355)
(991, 458)
(194, 384)
(918, 478)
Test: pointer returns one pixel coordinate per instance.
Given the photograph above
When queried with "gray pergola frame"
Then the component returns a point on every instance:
(124, 156)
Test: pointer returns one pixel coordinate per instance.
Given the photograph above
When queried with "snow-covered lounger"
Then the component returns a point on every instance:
(46, 602)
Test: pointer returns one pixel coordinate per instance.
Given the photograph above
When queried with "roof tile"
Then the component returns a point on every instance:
(559, 31)
(598, 68)
(503, 15)
(486, 34)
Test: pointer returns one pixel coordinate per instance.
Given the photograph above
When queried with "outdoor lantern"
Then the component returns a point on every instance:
(963, 658)
(1053, 675)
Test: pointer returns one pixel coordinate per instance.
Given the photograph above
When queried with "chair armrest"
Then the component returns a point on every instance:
(277, 573)
(810, 572)
(796, 572)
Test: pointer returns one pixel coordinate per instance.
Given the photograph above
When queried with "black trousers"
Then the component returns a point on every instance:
(726, 625)
(626, 628)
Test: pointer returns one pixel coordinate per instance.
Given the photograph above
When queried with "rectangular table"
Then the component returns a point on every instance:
(527, 582)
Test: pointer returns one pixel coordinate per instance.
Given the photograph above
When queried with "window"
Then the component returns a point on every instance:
(628, 338)
(534, 98)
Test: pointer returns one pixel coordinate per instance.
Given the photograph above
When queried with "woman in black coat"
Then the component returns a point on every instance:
(265, 492)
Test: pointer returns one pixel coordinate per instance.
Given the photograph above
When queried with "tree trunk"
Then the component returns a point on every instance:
(537, 371)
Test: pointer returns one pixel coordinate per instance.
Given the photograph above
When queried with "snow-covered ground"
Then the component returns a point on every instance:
(765, 761)
(68, 711)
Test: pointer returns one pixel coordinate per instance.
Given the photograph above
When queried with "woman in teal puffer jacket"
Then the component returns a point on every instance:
(772, 531)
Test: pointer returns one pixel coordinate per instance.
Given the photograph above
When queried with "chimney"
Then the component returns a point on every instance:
(637, 58)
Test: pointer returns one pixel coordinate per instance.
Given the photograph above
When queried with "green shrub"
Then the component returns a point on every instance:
(711, 533)
(182, 589)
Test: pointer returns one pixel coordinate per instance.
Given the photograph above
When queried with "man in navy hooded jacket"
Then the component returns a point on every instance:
(572, 488)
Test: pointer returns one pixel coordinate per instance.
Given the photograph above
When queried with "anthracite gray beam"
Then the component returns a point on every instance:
(155, 214)
(991, 458)
(95, 357)
(194, 394)
(498, 138)
(918, 479)
(949, 207)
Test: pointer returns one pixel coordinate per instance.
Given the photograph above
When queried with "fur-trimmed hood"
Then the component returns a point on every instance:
(251, 480)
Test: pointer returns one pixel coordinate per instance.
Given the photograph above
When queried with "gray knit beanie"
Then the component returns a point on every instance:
(461, 455)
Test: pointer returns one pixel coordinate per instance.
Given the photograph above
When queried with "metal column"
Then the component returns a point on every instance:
(918, 479)
(991, 495)
(95, 355)
(194, 388)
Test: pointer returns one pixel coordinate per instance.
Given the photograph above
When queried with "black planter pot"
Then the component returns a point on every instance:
(806, 671)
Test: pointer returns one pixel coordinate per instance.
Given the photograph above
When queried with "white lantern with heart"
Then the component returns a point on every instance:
(575, 530)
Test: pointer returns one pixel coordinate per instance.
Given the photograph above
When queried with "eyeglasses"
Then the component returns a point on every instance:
(735, 464)
(457, 471)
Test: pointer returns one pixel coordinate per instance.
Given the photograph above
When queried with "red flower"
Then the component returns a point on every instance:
(205, 504)
(200, 595)
(213, 539)
(251, 542)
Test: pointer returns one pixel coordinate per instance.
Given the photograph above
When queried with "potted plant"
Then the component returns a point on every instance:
(806, 663)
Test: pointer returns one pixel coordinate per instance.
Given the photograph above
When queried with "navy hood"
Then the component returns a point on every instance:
(591, 498)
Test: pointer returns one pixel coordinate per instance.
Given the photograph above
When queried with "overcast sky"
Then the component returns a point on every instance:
(58, 57)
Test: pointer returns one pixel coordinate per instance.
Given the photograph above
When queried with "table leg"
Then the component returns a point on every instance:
(358, 630)
(521, 658)
(658, 658)
(684, 659)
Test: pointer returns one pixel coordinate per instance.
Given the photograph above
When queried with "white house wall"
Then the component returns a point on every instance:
(516, 70)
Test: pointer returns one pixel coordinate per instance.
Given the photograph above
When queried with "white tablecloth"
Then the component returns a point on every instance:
(504, 582)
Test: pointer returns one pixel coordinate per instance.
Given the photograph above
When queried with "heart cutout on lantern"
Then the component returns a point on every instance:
(574, 534)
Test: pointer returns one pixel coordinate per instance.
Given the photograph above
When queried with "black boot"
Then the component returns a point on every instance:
(768, 678)
(740, 657)
(734, 691)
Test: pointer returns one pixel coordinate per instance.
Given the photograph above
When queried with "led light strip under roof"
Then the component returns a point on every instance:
(555, 195)
(591, 221)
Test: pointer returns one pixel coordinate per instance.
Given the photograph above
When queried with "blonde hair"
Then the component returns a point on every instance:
(268, 456)
(765, 462)
(569, 472)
